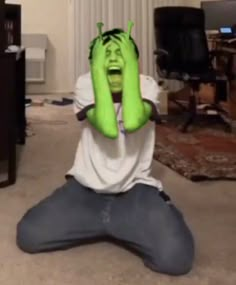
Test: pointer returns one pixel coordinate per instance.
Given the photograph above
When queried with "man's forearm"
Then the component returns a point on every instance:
(155, 116)
(102, 116)
(82, 114)
(102, 93)
(136, 112)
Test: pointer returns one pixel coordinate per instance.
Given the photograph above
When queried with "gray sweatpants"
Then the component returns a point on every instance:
(139, 219)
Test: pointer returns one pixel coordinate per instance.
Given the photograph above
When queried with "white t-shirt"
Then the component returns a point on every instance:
(112, 166)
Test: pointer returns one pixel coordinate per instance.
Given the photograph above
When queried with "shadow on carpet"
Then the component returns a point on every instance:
(201, 154)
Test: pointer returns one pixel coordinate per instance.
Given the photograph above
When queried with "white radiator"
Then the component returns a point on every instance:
(36, 47)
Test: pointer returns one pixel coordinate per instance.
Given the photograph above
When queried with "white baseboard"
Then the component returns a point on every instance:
(50, 93)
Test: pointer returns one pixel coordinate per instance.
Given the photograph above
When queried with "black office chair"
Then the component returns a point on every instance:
(182, 54)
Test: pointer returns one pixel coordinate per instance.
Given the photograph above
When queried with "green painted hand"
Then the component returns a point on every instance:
(114, 68)
(136, 112)
(127, 49)
(103, 116)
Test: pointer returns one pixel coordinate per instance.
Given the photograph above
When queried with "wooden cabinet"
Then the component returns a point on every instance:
(12, 24)
(12, 110)
(12, 93)
(2, 29)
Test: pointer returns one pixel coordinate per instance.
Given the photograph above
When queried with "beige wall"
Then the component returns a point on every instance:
(49, 17)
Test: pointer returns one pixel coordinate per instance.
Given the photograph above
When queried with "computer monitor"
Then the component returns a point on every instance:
(219, 14)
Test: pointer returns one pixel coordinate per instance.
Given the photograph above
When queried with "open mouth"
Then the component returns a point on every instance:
(114, 70)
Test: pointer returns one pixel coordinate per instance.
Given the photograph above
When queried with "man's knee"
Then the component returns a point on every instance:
(176, 259)
(27, 236)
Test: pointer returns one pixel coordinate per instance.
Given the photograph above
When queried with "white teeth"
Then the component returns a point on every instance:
(114, 68)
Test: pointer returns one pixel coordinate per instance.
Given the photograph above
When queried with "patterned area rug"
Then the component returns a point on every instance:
(202, 154)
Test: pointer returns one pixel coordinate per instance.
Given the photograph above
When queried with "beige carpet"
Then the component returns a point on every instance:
(210, 209)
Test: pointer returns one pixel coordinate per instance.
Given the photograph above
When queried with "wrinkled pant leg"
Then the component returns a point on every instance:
(70, 216)
(156, 230)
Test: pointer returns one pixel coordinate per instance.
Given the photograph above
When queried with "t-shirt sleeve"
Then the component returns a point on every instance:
(83, 94)
(149, 89)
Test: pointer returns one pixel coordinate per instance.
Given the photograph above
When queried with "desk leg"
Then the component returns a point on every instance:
(232, 104)
(232, 100)
(12, 169)
(11, 179)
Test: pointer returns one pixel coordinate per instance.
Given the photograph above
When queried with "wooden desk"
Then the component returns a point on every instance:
(227, 63)
(230, 52)
(12, 109)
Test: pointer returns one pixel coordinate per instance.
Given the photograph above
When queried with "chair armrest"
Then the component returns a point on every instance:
(161, 52)
(162, 62)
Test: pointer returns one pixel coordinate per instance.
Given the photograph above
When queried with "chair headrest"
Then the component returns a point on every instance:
(181, 17)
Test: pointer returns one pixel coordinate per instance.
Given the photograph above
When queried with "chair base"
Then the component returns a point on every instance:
(192, 115)
(184, 128)
(192, 112)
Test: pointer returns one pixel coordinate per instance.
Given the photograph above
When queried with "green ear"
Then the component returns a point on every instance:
(99, 26)
(130, 26)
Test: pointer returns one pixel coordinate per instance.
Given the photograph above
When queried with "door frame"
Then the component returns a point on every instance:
(71, 44)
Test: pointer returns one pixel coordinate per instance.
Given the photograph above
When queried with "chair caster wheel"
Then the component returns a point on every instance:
(183, 129)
